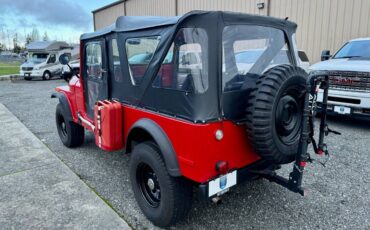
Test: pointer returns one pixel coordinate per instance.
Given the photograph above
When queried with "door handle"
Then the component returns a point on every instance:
(103, 71)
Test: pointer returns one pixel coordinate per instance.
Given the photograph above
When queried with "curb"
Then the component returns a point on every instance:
(9, 77)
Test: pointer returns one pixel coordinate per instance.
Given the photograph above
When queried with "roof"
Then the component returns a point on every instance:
(132, 23)
(107, 6)
(46, 46)
(360, 39)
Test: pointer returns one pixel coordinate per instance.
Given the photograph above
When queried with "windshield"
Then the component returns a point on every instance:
(38, 58)
(248, 51)
(360, 49)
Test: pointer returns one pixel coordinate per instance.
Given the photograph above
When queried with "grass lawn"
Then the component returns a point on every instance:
(9, 68)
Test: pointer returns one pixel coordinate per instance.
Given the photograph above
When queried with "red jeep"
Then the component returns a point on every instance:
(177, 96)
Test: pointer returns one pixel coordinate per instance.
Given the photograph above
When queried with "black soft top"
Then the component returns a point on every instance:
(135, 23)
(211, 105)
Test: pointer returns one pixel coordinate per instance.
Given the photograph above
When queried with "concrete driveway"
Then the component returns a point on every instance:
(38, 191)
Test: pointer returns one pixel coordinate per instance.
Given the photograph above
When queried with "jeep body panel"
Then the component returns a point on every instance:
(189, 121)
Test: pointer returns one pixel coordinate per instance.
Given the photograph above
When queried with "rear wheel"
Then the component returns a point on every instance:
(46, 75)
(70, 133)
(274, 113)
(163, 199)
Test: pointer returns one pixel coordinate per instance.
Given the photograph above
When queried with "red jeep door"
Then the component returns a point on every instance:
(95, 74)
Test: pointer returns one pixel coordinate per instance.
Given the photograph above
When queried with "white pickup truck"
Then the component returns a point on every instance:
(349, 74)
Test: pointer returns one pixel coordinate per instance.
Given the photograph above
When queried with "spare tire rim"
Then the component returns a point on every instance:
(288, 117)
(149, 184)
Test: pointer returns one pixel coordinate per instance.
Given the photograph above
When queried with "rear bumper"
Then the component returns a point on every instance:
(248, 173)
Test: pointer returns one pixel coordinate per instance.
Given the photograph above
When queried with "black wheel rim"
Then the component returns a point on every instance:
(62, 126)
(288, 116)
(148, 184)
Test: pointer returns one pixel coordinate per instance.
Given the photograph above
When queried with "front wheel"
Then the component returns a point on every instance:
(163, 199)
(70, 133)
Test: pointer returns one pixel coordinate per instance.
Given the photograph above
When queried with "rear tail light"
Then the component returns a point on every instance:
(222, 167)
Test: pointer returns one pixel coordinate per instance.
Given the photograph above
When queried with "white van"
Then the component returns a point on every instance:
(43, 59)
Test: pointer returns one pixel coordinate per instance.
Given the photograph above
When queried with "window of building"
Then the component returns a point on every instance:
(185, 66)
(139, 54)
(94, 60)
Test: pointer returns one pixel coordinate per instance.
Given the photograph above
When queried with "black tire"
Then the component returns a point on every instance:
(46, 76)
(274, 113)
(163, 199)
(28, 78)
(70, 133)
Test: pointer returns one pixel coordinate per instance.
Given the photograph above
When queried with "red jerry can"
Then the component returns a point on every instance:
(108, 125)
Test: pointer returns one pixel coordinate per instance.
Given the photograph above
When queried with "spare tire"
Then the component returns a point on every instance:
(274, 113)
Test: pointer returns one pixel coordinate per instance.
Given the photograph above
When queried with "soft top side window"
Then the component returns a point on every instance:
(94, 60)
(139, 54)
(185, 67)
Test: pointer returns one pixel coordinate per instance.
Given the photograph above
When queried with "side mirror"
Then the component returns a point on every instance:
(325, 55)
(64, 59)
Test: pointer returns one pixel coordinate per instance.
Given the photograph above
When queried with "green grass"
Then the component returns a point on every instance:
(9, 68)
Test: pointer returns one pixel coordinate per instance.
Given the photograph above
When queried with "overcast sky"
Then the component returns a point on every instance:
(61, 19)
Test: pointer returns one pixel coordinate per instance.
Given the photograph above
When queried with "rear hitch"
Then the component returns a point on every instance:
(316, 80)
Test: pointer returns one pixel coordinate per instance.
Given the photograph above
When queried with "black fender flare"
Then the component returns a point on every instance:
(64, 102)
(162, 141)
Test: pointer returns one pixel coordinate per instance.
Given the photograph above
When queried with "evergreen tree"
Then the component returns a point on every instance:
(45, 37)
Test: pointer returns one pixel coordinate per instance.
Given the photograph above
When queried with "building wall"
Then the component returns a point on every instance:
(108, 16)
(150, 7)
(322, 24)
(249, 6)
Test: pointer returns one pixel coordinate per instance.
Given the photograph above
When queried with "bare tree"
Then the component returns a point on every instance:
(16, 47)
(35, 34)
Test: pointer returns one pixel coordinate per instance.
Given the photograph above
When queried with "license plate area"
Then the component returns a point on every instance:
(342, 109)
(221, 184)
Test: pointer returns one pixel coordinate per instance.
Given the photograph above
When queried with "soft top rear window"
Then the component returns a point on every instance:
(250, 50)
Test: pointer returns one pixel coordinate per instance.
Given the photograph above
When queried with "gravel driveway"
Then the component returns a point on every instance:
(339, 195)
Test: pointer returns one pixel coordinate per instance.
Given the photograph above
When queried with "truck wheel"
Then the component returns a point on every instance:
(70, 133)
(46, 75)
(274, 113)
(163, 199)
